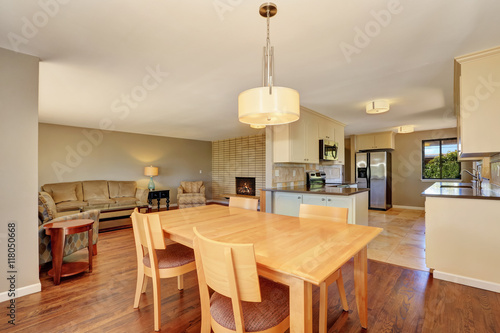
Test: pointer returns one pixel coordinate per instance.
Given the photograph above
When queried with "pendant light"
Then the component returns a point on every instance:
(269, 104)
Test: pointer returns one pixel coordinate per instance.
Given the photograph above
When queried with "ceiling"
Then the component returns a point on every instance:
(175, 68)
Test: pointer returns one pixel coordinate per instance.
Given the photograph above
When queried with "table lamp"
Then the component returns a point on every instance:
(151, 171)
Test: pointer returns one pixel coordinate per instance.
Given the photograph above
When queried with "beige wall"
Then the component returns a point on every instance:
(18, 169)
(407, 165)
(73, 153)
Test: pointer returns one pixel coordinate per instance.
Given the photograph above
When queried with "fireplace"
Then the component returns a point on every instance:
(245, 185)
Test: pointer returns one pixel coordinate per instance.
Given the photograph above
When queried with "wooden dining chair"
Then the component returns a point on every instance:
(156, 260)
(242, 301)
(246, 203)
(330, 214)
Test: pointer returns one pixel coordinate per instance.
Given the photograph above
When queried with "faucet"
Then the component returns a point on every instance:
(476, 175)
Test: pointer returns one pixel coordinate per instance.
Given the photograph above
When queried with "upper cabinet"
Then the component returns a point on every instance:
(382, 140)
(477, 103)
(298, 142)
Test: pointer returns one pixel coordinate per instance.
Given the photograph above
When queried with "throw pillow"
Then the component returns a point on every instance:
(64, 192)
(46, 207)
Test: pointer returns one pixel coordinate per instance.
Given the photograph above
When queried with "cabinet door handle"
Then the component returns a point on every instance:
(299, 198)
(329, 199)
(323, 199)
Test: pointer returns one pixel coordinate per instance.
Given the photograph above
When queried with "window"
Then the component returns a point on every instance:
(439, 159)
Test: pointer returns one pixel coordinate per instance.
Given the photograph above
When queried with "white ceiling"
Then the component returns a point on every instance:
(96, 54)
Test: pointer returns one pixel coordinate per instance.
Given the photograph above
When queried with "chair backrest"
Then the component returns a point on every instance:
(147, 233)
(230, 270)
(335, 214)
(192, 187)
(246, 203)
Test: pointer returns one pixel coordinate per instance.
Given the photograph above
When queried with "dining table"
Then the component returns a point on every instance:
(298, 252)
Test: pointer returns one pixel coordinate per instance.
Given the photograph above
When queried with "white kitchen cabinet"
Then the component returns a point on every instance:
(286, 203)
(327, 130)
(477, 97)
(297, 142)
(382, 140)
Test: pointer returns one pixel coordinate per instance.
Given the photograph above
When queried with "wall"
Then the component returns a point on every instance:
(72, 154)
(19, 170)
(238, 157)
(407, 165)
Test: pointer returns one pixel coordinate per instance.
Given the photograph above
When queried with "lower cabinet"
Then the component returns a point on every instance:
(288, 203)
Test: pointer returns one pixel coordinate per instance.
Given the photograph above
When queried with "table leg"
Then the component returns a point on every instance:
(91, 248)
(300, 306)
(361, 285)
(57, 248)
(150, 204)
(168, 202)
(158, 202)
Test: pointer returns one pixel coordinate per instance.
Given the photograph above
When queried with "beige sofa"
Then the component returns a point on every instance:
(73, 195)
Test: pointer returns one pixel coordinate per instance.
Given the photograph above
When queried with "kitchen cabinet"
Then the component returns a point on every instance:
(288, 203)
(382, 140)
(476, 100)
(297, 142)
(330, 201)
(285, 203)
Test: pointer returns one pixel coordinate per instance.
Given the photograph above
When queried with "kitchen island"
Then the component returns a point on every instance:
(287, 200)
(462, 224)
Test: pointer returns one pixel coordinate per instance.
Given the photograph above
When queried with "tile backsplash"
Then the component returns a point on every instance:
(289, 174)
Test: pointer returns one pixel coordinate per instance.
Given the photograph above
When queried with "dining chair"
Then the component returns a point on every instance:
(157, 260)
(330, 214)
(246, 203)
(242, 301)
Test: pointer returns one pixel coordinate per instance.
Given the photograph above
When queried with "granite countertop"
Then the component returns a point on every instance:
(463, 191)
(328, 189)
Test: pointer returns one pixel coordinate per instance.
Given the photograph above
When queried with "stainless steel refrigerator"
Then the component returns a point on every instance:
(373, 171)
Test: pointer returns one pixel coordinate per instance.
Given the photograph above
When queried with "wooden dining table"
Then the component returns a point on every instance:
(298, 252)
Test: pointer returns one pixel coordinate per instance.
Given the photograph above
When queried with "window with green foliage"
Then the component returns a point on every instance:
(439, 159)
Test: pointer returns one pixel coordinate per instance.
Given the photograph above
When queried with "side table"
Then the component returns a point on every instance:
(158, 195)
(58, 232)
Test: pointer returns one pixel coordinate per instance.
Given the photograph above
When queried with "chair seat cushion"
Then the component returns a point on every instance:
(174, 255)
(258, 316)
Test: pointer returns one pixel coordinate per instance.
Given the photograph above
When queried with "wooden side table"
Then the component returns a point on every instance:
(58, 232)
(158, 195)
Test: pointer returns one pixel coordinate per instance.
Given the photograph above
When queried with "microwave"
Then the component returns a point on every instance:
(328, 150)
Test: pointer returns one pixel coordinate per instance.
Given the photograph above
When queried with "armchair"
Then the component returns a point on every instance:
(48, 213)
(191, 194)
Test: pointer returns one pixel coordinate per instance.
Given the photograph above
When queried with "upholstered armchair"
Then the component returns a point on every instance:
(47, 212)
(191, 194)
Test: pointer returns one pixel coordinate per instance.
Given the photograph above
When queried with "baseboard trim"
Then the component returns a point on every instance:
(408, 207)
(468, 281)
(23, 291)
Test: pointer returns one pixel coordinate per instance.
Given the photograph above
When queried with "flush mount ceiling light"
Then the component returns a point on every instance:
(406, 129)
(269, 104)
(378, 106)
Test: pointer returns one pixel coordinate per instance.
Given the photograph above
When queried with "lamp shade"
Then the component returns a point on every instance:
(257, 107)
(150, 171)
(378, 106)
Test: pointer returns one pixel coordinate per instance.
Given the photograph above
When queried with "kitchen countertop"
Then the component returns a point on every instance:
(459, 190)
(328, 189)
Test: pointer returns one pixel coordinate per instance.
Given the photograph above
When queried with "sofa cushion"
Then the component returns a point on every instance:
(46, 207)
(126, 200)
(64, 192)
(70, 205)
(120, 189)
(95, 189)
(191, 187)
(102, 201)
(78, 189)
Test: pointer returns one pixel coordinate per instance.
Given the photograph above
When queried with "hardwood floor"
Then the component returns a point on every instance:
(403, 240)
(399, 300)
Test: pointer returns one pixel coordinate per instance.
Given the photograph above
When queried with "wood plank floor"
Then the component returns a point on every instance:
(399, 300)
